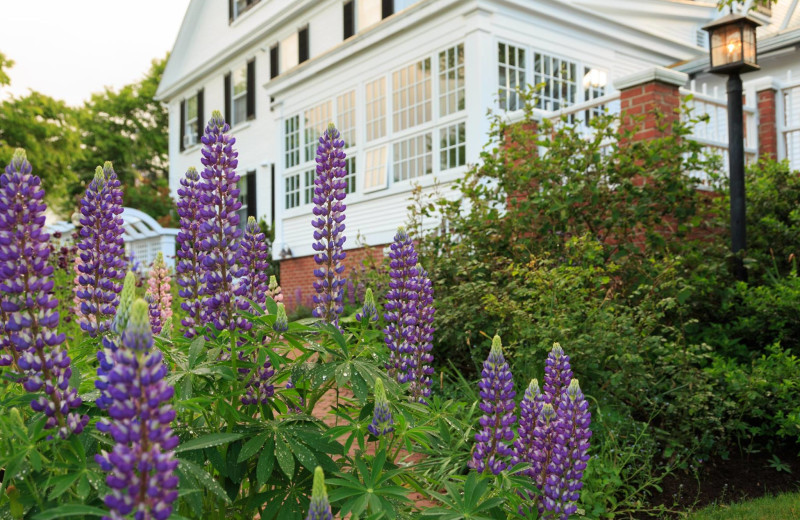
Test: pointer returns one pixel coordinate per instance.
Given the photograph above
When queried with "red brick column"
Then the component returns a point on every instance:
(297, 274)
(648, 95)
(767, 94)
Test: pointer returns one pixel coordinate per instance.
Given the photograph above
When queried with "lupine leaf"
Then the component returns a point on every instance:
(207, 441)
(70, 510)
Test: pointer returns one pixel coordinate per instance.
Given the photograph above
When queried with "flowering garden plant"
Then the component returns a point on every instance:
(227, 409)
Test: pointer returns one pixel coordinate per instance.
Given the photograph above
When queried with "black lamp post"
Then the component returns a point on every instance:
(733, 51)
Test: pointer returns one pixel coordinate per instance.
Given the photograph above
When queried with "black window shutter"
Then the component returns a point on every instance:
(201, 122)
(183, 123)
(349, 19)
(228, 98)
(251, 194)
(230, 11)
(302, 46)
(387, 8)
(274, 64)
(272, 195)
(251, 89)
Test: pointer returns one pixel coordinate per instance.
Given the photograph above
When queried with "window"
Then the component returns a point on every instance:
(238, 100)
(292, 143)
(412, 95)
(375, 170)
(511, 69)
(452, 146)
(274, 61)
(315, 122)
(302, 45)
(349, 12)
(346, 117)
(309, 175)
(560, 81)
(412, 158)
(376, 108)
(292, 191)
(594, 86)
(191, 120)
(451, 80)
(236, 8)
(350, 178)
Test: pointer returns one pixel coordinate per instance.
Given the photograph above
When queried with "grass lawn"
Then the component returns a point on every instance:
(781, 507)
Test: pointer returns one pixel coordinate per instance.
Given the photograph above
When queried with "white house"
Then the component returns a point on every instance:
(409, 84)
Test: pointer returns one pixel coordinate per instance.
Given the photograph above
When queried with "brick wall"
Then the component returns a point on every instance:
(297, 274)
(642, 104)
(767, 124)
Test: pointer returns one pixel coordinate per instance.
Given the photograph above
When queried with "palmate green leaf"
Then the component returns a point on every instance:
(197, 347)
(302, 453)
(207, 441)
(203, 478)
(61, 484)
(284, 455)
(70, 510)
(266, 461)
(252, 446)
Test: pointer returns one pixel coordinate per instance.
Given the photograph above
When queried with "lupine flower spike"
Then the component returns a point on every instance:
(320, 508)
(418, 361)
(570, 453)
(497, 402)
(530, 408)
(219, 228)
(329, 192)
(160, 293)
(369, 311)
(27, 302)
(102, 265)
(258, 388)
(274, 290)
(400, 308)
(382, 423)
(281, 324)
(541, 454)
(141, 466)
(253, 284)
(105, 356)
(189, 265)
(557, 374)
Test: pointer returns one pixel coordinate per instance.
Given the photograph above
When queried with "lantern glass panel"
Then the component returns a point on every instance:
(750, 45)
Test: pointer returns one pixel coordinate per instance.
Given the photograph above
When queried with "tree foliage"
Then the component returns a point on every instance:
(5, 63)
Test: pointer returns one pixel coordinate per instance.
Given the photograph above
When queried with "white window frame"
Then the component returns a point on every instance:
(240, 98)
(294, 180)
(191, 126)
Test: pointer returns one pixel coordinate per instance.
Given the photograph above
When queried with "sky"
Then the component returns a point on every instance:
(69, 49)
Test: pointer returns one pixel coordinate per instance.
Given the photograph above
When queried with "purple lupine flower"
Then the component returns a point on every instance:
(190, 256)
(219, 226)
(141, 465)
(27, 302)
(329, 192)
(570, 453)
(105, 356)
(420, 337)
(497, 402)
(254, 283)
(400, 308)
(557, 374)
(320, 508)
(369, 311)
(382, 423)
(258, 389)
(102, 265)
(530, 408)
(543, 437)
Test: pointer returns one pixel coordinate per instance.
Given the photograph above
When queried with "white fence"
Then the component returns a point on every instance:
(144, 237)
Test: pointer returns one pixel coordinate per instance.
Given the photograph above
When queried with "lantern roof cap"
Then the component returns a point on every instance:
(732, 18)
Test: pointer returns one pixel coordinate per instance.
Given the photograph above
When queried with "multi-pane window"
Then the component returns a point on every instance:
(309, 175)
(412, 157)
(239, 95)
(376, 108)
(292, 141)
(292, 191)
(238, 7)
(350, 178)
(594, 86)
(192, 122)
(451, 80)
(242, 212)
(315, 122)
(511, 70)
(411, 95)
(452, 146)
(560, 81)
(346, 117)
(375, 169)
